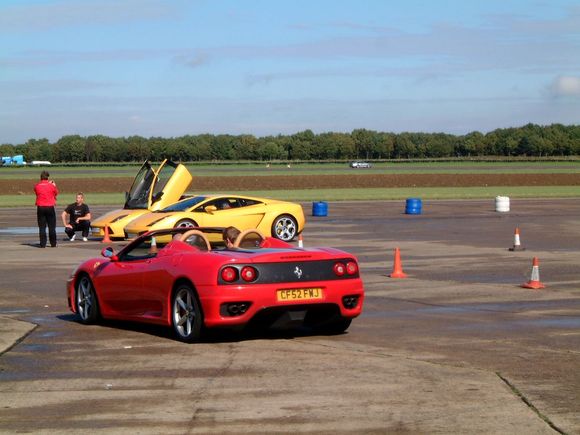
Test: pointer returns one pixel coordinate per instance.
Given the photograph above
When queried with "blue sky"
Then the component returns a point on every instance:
(266, 67)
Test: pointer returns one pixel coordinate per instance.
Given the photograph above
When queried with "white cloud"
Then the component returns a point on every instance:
(565, 86)
(192, 60)
(35, 88)
(450, 49)
(42, 58)
(37, 16)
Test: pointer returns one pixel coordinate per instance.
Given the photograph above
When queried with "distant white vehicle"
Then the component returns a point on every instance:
(360, 165)
(40, 162)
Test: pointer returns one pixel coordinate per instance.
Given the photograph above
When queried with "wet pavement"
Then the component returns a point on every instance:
(458, 347)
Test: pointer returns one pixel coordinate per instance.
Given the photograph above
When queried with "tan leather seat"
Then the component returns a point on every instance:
(197, 239)
(249, 239)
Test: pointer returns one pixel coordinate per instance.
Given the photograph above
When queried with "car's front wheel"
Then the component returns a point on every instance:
(87, 305)
(285, 228)
(186, 223)
(187, 317)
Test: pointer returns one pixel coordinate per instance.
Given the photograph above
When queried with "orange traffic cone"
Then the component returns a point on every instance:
(534, 282)
(300, 242)
(106, 238)
(517, 244)
(397, 266)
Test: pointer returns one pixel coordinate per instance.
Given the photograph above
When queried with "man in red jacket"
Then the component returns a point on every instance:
(46, 193)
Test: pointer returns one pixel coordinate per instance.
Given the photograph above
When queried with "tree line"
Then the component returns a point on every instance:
(529, 140)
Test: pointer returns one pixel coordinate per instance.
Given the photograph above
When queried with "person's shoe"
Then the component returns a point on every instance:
(85, 239)
(72, 239)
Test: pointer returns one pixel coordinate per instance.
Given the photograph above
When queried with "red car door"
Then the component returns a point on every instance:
(156, 287)
(136, 283)
(119, 288)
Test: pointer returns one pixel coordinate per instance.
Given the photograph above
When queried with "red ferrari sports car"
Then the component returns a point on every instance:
(178, 279)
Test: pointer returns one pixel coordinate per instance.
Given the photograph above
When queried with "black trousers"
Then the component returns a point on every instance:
(46, 216)
(83, 226)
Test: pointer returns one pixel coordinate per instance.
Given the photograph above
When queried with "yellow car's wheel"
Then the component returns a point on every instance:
(284, 228)
(186, 223)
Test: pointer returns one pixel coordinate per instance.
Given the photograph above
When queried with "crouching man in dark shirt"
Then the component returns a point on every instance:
(77, 217)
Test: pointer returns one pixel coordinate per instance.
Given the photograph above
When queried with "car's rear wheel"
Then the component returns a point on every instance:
(285, 228)
(185, 223)
(335, 327)
(186, 313)
(87, 306)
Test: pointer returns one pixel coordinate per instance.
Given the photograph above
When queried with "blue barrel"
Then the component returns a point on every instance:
(413, 206)
(319, 208)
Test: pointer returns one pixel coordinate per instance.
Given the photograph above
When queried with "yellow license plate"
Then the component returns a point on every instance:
(299, 294)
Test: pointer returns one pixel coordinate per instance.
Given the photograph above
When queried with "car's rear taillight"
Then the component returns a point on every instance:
(339, 269)
(249, 274)
(351, 268)
(229, 274)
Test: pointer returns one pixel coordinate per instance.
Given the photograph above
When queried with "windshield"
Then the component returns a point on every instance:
(138, 196)
(185, 204)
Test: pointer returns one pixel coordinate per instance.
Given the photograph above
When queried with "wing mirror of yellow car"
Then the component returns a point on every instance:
(210, 208)
(109, 253)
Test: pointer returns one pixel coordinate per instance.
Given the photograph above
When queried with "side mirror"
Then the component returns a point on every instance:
(156, 197)
(210, 208)
(109, 252)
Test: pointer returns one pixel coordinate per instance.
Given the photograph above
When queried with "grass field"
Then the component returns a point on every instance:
(232, 170)
(337, 194)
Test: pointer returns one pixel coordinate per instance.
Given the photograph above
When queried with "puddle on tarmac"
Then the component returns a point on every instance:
(14, 311)
(20, 230)
(43, 320)
(448, 310)
(570, 322)
(566, 323)
(522, 314)
(17, 231)
(34, 348)
(49, 334)
(385, 314)
(504, 307)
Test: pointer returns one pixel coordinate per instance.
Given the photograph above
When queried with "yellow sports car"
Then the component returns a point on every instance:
(151, 190)
(283, 220)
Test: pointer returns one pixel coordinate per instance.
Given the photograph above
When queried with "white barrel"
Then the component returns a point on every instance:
(502, 204)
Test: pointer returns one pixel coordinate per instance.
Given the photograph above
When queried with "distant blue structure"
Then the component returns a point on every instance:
(14, 160)
(18, 160)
